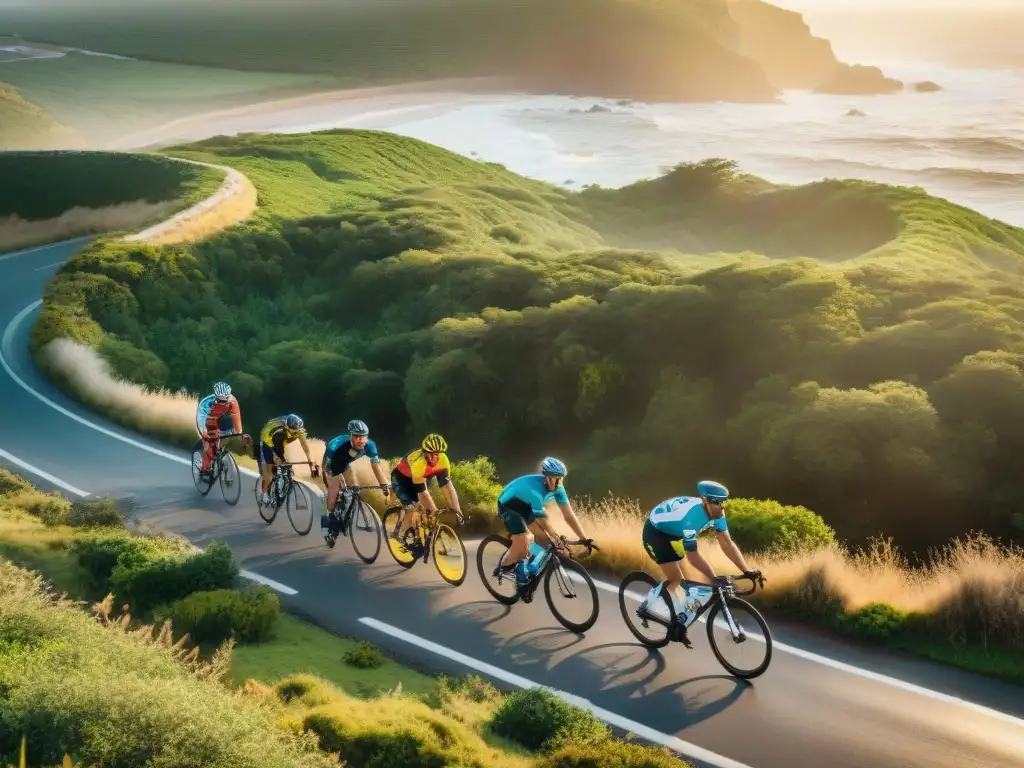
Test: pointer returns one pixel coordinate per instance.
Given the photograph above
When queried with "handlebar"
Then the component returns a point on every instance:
(360, 488)
(756, 582)
(588, 543)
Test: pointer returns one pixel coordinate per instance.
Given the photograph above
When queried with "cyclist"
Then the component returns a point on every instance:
(521, 507)
(216, 415)
(410, 476)
(274, 436)
(671, 531)
(341, 452)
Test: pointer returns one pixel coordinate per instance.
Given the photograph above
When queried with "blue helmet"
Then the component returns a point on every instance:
(357, 427)
(552, 466)
(709, 489)
(293, 422)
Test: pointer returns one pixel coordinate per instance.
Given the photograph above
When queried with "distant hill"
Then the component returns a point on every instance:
(24, 125)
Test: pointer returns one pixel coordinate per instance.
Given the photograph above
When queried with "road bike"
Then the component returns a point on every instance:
(351, 515)
(430, 537)
(286, 490)
(223, 468)
(556, 572)
(724, 610)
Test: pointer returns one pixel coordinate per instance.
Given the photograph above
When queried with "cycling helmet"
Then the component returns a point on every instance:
(293, 422)
(221, 390)
(357, 427)
(552, 466)
(709, 489)
(434, 443)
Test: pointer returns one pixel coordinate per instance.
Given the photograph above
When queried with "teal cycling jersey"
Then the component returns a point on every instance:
(684, 517)
(528, 495)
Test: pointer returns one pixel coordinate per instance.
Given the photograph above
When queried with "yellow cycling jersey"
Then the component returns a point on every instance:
(415, 467)
(276, 432)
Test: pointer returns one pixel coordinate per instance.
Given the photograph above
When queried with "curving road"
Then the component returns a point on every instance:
(822, 702)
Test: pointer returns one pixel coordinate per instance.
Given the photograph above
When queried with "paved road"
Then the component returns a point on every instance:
(822, 703)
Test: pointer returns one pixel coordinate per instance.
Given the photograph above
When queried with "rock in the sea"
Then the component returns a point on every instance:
(859, 80)
(927, 86)
(855, 113)
(598, 108)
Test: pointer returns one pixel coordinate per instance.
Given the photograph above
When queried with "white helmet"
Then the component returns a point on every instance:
(221, 391)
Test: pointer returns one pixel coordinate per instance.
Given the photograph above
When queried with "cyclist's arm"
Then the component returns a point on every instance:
(379, 473)
(305, 448)
(572, 520)
(426, 499)
(453, 497)
(236, 417)
(697, 561)
(549, 529)
(374, 458)
(731, 551)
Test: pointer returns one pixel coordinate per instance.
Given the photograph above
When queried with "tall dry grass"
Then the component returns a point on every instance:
(16, 232)
(972, 590)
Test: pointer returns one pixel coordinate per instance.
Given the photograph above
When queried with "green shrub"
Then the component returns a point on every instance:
(763, 524)
(210, 618)
(144, 585)
(11, 483)
(88, 513)
(611, 754)
(312, 691)
(538, 719)
(52, 510)
(99, 553)
(364, 655)
(876, 621)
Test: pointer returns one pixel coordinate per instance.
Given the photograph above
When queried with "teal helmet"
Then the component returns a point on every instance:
(712, 491)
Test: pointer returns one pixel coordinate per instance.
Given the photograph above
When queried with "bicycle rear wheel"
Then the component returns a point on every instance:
(364, 530)
(202, 485)
(501, 584)
(657, 617)
(269, 511)
(230, 479)
(754, 642)
(573, 583)
(402, 556)
(299, 508)
(449, 555)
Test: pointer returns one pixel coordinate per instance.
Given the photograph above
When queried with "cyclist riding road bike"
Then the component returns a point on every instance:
(216, 415)
(274, 436)
(410, 476)
(670, 533)
(341, 452)
(521, 509)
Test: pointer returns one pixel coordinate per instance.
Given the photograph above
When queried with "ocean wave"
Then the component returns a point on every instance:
(975, 177)
(983, 146)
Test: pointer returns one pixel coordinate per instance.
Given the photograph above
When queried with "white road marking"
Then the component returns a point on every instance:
(617, 721)
(43, 247)
(251, 575)
(5, 344)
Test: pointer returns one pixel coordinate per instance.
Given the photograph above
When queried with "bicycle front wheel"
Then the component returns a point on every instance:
(299, 508)
(570, 581)
(500, 583)
(267, 511)
(449, 555)
(202, 485)
(230, 480)
(398, 551)
(746, 637)
(364, 530)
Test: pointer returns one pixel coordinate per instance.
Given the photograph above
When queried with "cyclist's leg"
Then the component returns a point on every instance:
(668, 552)
(518, 530)
(266, 467)
(406, 495)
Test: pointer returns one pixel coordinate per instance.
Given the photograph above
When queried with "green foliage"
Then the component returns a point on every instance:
(876, 621)
(763, 524)
(212, 617)
(99, 513)
(611, 754)
(95, 180)
(100, 553)
(52, 510)
(364, 655)
(538, 719)
(865, 365)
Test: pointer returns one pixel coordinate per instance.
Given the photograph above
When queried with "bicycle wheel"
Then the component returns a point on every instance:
(751, 646)
(401, 555)
(572, 582)
(299, 508)
(230, 479)
(501, 585)
(364, 524)
(269, 511)
(203, 486)
(659, 616)
(449, 555)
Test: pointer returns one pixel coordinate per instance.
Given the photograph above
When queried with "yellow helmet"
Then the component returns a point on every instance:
(434, 443)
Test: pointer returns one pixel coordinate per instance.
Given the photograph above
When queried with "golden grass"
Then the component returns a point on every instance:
(232, 204)
(16, 232)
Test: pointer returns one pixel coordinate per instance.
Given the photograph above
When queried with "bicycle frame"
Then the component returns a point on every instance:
(551, 560)
(719, 595)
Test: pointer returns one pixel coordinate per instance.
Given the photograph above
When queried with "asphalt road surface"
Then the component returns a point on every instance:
(822, 702)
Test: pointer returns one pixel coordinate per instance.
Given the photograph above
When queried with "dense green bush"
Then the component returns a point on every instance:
(147, 584)
(538, 719)
(99, 513)
(611, 754)
(101, 552)
(52, 510)
(763, 524)
(211, 617)
(877, 622)
(364, 655)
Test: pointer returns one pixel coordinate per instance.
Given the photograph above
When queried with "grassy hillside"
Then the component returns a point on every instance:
(867, 365)
(50, 196)
(624, 48)
(24, 125)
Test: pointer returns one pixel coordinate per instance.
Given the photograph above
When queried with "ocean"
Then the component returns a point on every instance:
(965, 143)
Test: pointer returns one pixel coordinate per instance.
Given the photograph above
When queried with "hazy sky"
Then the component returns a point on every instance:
(897, 5)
